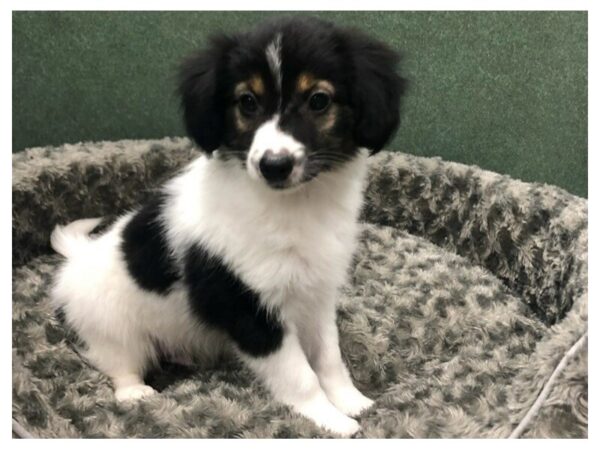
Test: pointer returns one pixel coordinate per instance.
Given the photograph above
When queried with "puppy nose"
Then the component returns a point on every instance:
(276, 167)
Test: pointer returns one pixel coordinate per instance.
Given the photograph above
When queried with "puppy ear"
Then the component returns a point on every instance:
(375, 90)
(202, 83)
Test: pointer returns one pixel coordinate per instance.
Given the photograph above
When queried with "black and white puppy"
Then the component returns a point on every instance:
(247, 247)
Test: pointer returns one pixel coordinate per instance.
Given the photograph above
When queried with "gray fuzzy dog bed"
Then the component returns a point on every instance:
(466, 315)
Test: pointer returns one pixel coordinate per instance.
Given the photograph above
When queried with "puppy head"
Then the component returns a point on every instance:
(291, 99)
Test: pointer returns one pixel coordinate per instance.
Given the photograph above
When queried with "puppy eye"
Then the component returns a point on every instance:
(319, 101)
(248, 103)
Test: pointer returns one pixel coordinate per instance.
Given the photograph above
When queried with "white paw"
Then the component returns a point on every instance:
(344, 426)
(324, 414)
(133, 392)
(350, 401)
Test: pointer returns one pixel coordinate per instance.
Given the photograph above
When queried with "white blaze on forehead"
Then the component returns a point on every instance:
(273, 53)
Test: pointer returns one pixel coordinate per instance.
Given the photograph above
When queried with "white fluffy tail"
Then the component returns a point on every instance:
(66, 239)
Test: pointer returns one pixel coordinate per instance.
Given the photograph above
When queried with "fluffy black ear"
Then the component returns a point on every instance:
(375, 88)
(202, 82)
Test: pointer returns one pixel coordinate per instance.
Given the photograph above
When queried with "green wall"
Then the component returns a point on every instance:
(504, 90)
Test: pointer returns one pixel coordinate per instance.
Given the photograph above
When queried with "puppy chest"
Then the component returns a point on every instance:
(278, 260)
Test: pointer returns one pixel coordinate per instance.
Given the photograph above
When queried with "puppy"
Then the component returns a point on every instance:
(246, 248)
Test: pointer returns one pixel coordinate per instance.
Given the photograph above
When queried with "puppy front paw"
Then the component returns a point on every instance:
(343, 426)
(134, 392)
(350, 401)
(327, 416)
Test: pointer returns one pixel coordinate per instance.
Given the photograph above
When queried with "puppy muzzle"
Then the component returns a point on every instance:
(276, 167)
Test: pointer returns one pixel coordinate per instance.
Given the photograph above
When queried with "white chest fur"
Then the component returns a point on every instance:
(281, 244)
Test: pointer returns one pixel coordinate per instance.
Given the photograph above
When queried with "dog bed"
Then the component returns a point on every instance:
(466, 315)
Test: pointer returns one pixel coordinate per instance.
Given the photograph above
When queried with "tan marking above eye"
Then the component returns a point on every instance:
(305, 81)
(325, 86)
(254, 85)
(257, 85)
(240, 88)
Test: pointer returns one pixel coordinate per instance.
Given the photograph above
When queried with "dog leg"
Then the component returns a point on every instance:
(289, 377)
(123, 364)
(320, 335)
(130, 387)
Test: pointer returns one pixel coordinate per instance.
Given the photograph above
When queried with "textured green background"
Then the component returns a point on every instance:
(504, 90)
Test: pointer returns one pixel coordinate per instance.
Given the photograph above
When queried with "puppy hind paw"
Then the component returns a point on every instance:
(134, 392)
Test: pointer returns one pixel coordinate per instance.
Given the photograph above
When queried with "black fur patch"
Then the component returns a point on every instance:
(222, 300)
(145, 249)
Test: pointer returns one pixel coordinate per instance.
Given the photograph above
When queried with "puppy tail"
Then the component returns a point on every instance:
(66, 239)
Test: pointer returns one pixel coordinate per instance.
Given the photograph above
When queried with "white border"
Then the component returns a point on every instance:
(307, 5)
(479, 5)
(6, 229)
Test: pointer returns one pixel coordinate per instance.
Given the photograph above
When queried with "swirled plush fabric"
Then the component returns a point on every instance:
(466, 314)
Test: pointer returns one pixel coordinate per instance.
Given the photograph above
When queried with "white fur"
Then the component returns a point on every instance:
(270, 137)
(123, 326)
(273, 54)
(292, 246)
(69, 239)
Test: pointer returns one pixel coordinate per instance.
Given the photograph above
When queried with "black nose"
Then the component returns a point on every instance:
(276, 167)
